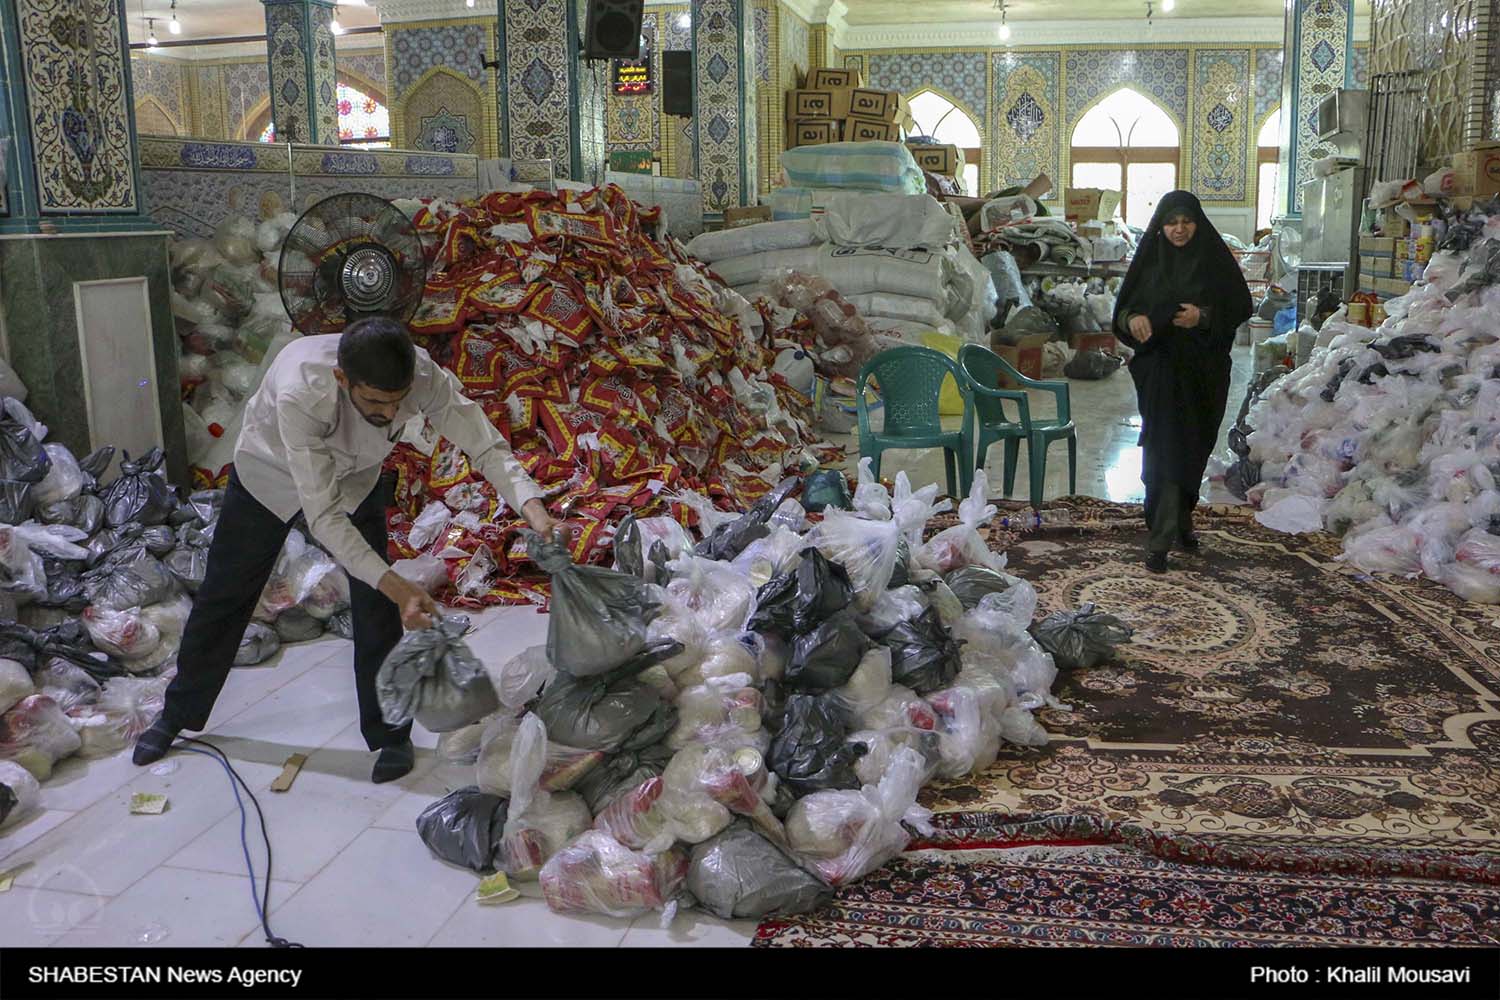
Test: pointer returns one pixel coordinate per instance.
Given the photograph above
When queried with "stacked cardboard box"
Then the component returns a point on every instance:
(945, 161)
(835, 106)
(1478, 171)
(1386, 269)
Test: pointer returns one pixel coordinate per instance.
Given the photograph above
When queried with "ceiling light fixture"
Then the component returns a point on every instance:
(174, 26)
(1167, 6)
(151, 33)
(1150, 10)
(1004, 30)
(469, 3)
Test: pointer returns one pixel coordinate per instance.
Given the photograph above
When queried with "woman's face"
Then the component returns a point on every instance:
(1180, 229)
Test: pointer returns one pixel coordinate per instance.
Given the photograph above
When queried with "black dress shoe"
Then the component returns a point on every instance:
(1190, 541)
(1156, 562)
(394, 762)
(152, 745)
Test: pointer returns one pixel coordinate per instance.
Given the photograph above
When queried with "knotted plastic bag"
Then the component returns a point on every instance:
(845, 835)
(924, 655)
(134, 581)
(258, 645)
(971, 584)
(23, 464)
(433, 677)
(20, 793)
(740, 875)
(865, 549)
(1082, 638)
(36, 734)
(825, 657)
(465, 827)
(140, 495)
(962, 545)
(810, 751)
(611, 711)
(596, 874)
(599, 616)
(798, 601)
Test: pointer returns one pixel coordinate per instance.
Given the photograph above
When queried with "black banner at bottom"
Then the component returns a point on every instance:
(375, 974)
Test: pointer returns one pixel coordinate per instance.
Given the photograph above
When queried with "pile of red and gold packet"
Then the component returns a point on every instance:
(605, 358)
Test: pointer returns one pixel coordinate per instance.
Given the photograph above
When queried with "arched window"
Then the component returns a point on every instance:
(1267, 157)
(1127, 143)
(364, 120)
(941, 120)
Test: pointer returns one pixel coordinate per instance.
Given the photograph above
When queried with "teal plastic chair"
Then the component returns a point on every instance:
(909, 381)
(982, 369)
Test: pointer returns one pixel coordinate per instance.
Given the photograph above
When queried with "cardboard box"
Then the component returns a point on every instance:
(1025, 357)
(817, 105)
(1478, 170)
(865, 130)
(1378, 245)
(828, 78)
(1392, 286)
(946, 161)
(813, 133)
(1375, 267)
(749, 215)
(879, 105)
(1105, 342)
(1090, 204)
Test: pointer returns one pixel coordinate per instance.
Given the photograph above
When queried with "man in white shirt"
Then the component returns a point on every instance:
(314, 438)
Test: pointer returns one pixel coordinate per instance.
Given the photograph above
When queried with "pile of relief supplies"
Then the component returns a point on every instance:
(1391, 437)
(742, 723)
(872, 233)
(622, 374)
(96, 583)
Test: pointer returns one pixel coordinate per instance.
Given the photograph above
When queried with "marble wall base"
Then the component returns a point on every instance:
(40, 317)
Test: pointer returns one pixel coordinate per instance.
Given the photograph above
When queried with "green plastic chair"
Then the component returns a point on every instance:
(982, 369)
(910, 380)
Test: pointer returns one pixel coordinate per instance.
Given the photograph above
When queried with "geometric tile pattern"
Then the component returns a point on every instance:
(1092, 74)
(245, 88)
(1359, 62)
(442, 114)
(324, 81)
(763, 46)
(1267, 83)
(536, 98)
(1025, 137)
(74, 67)
(794, 44)
(1323, 49)
(724, 47)
(457, 48)
(303, 70)
(958, 76)
(161, 85)
(1221, 99)
(366, 68)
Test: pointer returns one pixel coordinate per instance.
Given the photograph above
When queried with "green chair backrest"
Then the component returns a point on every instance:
(983, 367)
(911, 380)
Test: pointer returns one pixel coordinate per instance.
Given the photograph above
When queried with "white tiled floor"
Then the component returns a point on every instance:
(349, 866)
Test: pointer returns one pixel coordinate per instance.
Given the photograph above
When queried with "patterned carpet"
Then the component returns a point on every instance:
(1278, 716)
(1092, 896)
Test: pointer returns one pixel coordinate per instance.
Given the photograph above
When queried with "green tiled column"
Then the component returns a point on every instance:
(304, 75)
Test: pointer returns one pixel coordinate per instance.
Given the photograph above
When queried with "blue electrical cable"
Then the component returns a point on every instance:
(262, 899)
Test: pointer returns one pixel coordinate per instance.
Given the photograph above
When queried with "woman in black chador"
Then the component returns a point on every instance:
(1181, 302)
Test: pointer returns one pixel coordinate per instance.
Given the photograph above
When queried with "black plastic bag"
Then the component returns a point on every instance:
(599, 616)
(65, 585)
(606, 711)
(68, 641)
(137, 581)
(901, 574)
(296, 625)
(8, 801)
(189, 564)
(95, 466)
(824, 489)
(740, 875)
(159, 540)
(621, 773)
(811, 752)
(431, 676)
(1091, 365)
(924, 655)
(1082, 638)
(465, 828)
(258, 644)
(826, 657)
(140, 495)
(729, 540)
(342, 624)
(23, 464)
(1241, 477)
(802, 598)
(629, 558)
(84, 512)
(970, 584)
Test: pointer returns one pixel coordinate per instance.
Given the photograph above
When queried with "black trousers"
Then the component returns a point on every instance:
(1169, 513)
(247, 540)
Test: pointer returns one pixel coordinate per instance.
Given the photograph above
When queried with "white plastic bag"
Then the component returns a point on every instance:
(961, 545)
(15, 684)
(426, 571)
(720, 597)
(64, 479)
(866, 549)
(522, 677)
(429, 525)
(126, 708)
(596, 874)
(844, 836)
(25, 787)
(871, 498)
(125, 635)
(1294, 515)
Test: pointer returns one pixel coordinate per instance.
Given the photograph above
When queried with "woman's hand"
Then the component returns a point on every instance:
(1140, 327)
(1188, 317)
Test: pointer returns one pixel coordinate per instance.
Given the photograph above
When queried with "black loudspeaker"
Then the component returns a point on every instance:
(613, 29)
(677, 83)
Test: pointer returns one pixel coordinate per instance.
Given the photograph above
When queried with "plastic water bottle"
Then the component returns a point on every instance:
(1034, 519)
(797, 368)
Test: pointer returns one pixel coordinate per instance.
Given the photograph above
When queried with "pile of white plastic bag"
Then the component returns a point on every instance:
(900, 259)
(742, 723)
(96, 584)
(1391, 437)
(231, 324)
